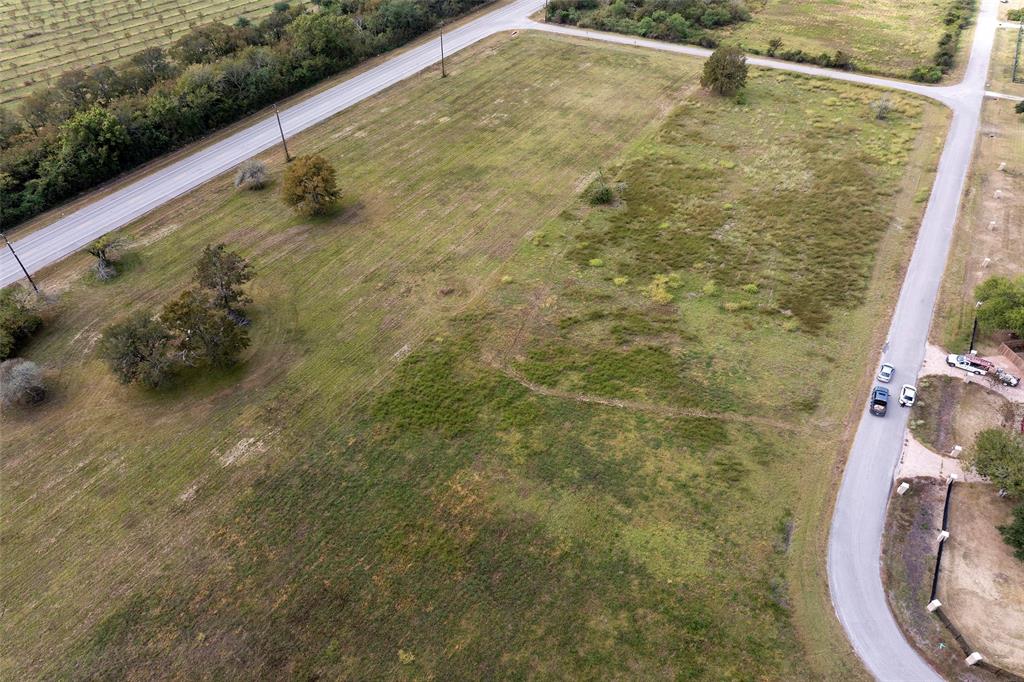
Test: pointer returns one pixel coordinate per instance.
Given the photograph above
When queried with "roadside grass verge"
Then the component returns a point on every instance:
(376, 493)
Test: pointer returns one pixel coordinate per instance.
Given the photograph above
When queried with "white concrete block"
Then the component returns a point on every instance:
(903, 487)
(973, 658)
(943, 535)
(955, 452)
(933, 604)
(985, 263)
(1002, 165)
(992, 225)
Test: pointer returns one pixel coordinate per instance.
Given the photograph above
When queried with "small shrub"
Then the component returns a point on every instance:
(1015, 14)
(774, 45)
(105, 251)
(882, 108)
(926, 74)
(1013, 532)
(310, 186)
(1019, 108)
(658, 289)
(595, 263)
(750, 288)
(251, 175)
(17, 320)
(599, 193)
(21, 383)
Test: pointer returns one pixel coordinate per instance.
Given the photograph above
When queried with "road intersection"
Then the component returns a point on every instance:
(859, 516)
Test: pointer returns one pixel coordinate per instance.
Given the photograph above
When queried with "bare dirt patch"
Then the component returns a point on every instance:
(982, 583)
(952, 412)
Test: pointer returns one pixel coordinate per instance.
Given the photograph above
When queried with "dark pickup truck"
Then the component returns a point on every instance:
(879, 401)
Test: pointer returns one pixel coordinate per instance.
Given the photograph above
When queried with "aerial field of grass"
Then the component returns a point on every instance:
(485, 430)
(888, 36)
(43, 38)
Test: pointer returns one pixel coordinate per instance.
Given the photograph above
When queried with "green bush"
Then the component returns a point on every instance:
(17, 320)
(926, 74)
(599, 193)
(1002, 304)
(1013, 532)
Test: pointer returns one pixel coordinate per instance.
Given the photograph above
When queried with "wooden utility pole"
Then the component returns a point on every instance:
(443, 73)
(27, 276)
(287, 156)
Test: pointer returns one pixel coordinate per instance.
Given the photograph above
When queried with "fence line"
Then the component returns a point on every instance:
(1012, 353)
(943, 618)
(1015, 74)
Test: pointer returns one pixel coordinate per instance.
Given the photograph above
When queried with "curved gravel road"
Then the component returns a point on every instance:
(854, 567)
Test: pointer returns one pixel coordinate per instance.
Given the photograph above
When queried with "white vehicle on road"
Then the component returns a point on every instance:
(966, 363)
(885, 372)
(908, 395)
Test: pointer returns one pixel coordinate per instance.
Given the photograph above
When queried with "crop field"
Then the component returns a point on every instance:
(884, 36)
(43, 38)
(485, 429)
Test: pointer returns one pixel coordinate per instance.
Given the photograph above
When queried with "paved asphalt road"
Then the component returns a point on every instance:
(855, 539)
(854, 565)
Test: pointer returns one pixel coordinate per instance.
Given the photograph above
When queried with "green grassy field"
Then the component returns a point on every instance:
(42, 38)
(485, 430)
(888, 37)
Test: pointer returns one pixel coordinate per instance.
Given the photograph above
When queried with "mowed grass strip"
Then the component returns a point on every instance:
(888, 37)
(373, 494)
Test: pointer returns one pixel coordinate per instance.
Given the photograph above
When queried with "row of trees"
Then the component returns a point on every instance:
(685, 21)
(957, 18)
(203, 327)
(92, 125)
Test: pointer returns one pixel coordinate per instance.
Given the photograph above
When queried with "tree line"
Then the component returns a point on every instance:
(686, 21)
(93, 124)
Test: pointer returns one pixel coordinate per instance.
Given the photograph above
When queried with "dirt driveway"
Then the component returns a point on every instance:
(981, 584)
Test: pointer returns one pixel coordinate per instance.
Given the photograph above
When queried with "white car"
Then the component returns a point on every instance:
(908, 394)
(885, 372)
